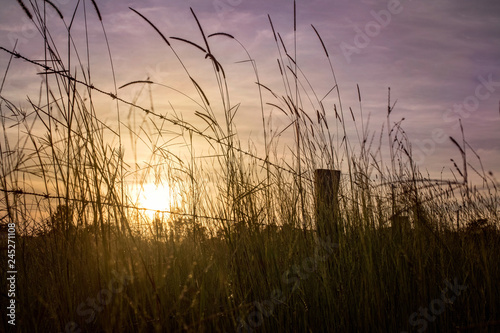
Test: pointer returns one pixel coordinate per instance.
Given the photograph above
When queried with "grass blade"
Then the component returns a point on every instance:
(25, 9)
(97, 10)
(152, 25)
(201, 30)
(189, 42)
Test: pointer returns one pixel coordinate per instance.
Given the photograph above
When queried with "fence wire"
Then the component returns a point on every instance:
(50, 70)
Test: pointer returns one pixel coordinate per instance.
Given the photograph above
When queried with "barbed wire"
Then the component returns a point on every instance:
(50, 70)
(181, 124)
(105, 203)
(172, 212)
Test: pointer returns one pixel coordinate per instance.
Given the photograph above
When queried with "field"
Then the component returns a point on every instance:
(248, 243)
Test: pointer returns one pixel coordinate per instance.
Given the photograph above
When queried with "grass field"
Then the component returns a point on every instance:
(239, 250)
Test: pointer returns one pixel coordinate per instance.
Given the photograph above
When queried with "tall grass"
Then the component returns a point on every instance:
(239, 250)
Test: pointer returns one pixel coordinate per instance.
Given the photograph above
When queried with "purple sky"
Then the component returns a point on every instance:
(440, 58)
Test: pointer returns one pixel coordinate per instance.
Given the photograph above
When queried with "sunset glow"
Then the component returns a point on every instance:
(156, 198)
(230, 165)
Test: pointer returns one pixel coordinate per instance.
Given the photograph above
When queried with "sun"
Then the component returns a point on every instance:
(156, 198)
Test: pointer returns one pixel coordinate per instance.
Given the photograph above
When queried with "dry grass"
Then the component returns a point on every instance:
(240, 251)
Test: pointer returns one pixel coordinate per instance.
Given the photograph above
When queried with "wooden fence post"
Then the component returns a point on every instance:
(327, 204)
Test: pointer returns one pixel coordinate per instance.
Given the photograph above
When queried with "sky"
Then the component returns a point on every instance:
(440, 59)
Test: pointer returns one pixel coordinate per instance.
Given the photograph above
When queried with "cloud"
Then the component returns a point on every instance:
(430, 54)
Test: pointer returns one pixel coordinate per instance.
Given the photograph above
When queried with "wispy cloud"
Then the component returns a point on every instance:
(430, 53)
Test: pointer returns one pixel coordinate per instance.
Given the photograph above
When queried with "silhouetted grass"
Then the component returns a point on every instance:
(239, 251)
